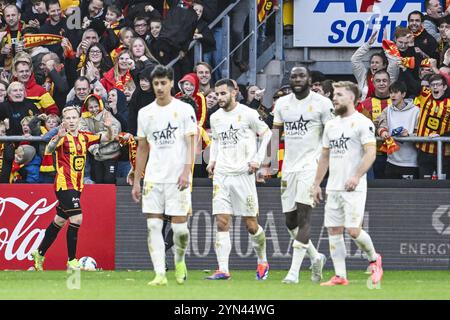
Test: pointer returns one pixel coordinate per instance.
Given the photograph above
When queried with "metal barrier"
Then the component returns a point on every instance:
(438, 140)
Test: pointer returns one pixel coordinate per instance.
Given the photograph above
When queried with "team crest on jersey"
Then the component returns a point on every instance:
(229, 137)
(175, 115)
(296, 128)
(165, 136)
(310, 108)
(339, 145)
(239, 118)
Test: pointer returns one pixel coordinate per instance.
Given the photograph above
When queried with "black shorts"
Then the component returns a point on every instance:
(69, 203)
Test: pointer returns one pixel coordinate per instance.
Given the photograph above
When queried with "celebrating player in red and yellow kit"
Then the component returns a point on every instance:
(71, 147)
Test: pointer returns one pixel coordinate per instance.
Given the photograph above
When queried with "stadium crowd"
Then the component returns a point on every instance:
(98, 55)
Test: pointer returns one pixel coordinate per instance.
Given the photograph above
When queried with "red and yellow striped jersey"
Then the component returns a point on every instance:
(434, 117)
(422, 98)
(372, 107)
(71, 158)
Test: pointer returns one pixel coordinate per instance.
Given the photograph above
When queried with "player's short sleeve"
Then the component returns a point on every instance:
(325, 138)
(190, 122)
(277, 118)
(367, 132)
(256, 124)
(141, 125)
(327, 111)
(91, 138)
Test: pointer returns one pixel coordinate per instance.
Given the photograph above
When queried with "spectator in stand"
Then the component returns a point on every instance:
(433, 122)
(94, 16)
(155, 29)
(114, 22)
(203, 33)
(316, 80)
(254, 101)
(177, 32)
(444, 31)
(372, 108)
(400, 118)
(35, 14)
(89, 37)
(265, 7)
(403, 70)
(142, 8)
(141, 57)
(11, 41)
(129, 89)
(120, 73)
(326, 89)
(142, 28)
(97, 63)
(3, 87)
(117, 105)
(3, 153)
(424, 43)
(57, 24)
(14, 108)
(106, 154)
(189, 86)
(43, 100)
(211, 104)
(55, 81)
(434, 13)
(126, 34)
(82, 89)
(364, 76)
(142, 96)
(203, 72)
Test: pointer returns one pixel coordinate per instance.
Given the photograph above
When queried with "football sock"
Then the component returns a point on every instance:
(155, 243)
(312, 251)
(72, 239)
(293, 233)
(299, 251)
(338, 254)
(180, 239)
(168, 239)
(364, 242)
(223, 249)
(259, 244)
(49, 238)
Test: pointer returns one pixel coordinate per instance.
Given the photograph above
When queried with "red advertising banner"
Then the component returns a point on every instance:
(26, 211)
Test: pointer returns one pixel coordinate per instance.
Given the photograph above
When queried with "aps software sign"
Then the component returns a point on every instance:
(348, 23)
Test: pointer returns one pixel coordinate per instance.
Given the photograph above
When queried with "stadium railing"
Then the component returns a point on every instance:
(255, 64)
(438, 140)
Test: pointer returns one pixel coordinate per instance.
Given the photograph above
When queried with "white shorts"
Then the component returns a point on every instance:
(165, 198)
(345, 209)
(296, 187)
(235, 195)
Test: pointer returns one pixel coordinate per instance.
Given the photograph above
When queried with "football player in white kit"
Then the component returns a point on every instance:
(302, 115)
(167, 130)
(235, 157)
(349, 150)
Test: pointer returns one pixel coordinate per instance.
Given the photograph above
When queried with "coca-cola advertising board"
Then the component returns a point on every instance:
(26, 210)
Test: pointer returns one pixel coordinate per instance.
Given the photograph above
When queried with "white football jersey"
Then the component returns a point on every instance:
(346, 137)
(235, 138)
(165, 129)
(303, 122)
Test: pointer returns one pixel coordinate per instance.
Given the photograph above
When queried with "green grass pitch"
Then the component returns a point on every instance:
(242, 286)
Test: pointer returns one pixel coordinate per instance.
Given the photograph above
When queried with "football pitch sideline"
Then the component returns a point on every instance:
(31, 285)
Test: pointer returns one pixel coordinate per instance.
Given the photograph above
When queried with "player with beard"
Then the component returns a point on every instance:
(234, 160)
(349, 149)
(302, 115)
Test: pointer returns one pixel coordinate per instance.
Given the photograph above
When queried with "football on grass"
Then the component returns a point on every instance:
(88, 263)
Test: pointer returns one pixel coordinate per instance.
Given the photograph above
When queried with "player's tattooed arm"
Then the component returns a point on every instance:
(53, 143)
